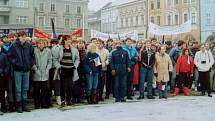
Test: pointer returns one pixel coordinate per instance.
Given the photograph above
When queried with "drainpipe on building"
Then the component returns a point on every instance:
(147, 20)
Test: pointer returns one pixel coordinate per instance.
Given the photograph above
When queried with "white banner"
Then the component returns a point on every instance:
(170, 30)
(104, 36)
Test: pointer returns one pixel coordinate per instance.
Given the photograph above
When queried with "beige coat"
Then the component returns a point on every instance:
(163, 65)
(103, 53)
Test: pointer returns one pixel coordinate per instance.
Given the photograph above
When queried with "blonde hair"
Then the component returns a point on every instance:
(92, 48)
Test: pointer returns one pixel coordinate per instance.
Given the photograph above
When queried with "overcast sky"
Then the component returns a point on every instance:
(97, 4)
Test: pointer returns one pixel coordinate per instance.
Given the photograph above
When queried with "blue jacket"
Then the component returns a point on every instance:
(120, 61)
(21, 56)
(89, 63)
(4, 65)
(133, 54)
(174, 54)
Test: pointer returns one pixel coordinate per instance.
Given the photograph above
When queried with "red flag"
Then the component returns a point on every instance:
(38, 33)
(78, 33)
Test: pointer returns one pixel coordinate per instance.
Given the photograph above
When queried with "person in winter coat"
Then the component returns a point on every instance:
(120, 67)
(133, 56)
(4, 68)
(92, 68)
(41, 67)
(21, 56)
(162, 68)
(147, 61)
(103, 53)
(204, 61)
(66, 68)
(184, 70)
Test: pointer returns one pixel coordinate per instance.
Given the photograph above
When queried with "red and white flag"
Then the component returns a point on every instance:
(97, 62)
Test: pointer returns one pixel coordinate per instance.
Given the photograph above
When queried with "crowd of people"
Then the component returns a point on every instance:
(73, 71)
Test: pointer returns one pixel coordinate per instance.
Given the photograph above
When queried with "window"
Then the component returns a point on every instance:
(67, 8)
(78, 9)
(158, 20)
(176, 19)
(21, 19)
(52, 7)
(176, 2)
(78, 22)
(41, 20)
(193, 1)
(208, 18)
(158, 3)
(152, 5)
(186, 1)
(67, 21)
(22, 3)
(185, 17)
(168, 20)
(41, 8)
(193, 18)
(152, 19)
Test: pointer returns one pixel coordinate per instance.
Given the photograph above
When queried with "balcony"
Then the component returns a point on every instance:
(5, 8)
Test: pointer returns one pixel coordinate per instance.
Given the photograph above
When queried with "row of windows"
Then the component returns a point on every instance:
(53, 8)
(209, 18)
(133, 21)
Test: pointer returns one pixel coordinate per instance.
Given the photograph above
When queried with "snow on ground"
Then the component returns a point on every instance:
(195, 108)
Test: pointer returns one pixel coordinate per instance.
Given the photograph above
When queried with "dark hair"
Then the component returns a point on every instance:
(54, 41)
(169, 43)
(65, 38)
(101, 41)
(159, 48)
(128, 39)
(59, 36)
(153, 39)
(180, 42)
(93, 39)
(22, 33)
(110, 40)
(184, 50)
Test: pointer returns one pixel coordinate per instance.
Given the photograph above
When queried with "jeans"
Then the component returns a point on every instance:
(21, 85)
(120, 86)
(101, 83)
(130, 81)
(162, 86)
(92, 81)
(146, 74)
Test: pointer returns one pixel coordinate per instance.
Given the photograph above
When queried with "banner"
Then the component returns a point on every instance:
(170, 30)
(78, 33)
(29, 31)
(39, 34)
(104, 36)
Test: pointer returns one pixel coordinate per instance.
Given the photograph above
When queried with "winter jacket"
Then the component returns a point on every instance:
(57, 54)
(174, 54)
(162, 67)
(119, 61)
(183, 65)
(21, 56)
(42, 64)
(4, 65)
(144, 58)
(91, 65)
(204, 56)
(133, 54)
(103, 53)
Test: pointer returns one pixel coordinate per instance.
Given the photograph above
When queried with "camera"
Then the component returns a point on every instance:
(203, 62)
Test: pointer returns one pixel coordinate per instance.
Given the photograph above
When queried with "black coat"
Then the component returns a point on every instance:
(21, 56)
(4, 65)
(144, 59)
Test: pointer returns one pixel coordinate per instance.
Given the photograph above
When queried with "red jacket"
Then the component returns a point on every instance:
(183, 66)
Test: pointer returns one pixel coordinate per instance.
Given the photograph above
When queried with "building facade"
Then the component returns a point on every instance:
(94, 20)
(68, 15)
(133, 17)
(175, 12)
(207, 18)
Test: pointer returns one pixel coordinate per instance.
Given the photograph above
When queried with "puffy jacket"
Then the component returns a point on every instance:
(21, 56)
(133, 54)
(182, 64)
(119, 61)
(90, 64)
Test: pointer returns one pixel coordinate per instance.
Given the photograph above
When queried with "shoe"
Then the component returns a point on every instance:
(3, 107)
(209, 95)
(63, 103)
(19, 107)
(11, 107)
(129, 98)
(186, 91)
(69, 103)
(176, 91)
(95, 99)
(153, 92)
(89, 99)
(117, 100)
(25, 109)
(140, 97)
(150, 97)
(58, 100)
(123, 100)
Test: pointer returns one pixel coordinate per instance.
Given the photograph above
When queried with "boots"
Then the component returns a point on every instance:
(176, 91)
(3, 107)
(186, 91)
(95, 99)
(58, 100)
(11, 107)
(19, 107)
(24, 107)
(89, 99)
(1, 113)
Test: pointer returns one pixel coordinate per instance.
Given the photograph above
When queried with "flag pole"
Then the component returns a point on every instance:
(83, 36)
